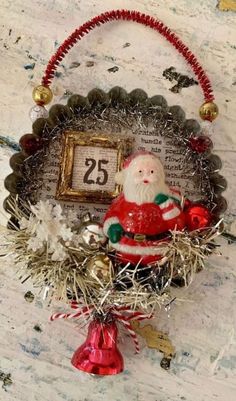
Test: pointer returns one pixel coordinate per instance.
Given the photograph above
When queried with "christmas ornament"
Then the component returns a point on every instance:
(100, 267)
(140, 221)
(99, 354)
(118, 157)
(200, 144)
(90, 233)
(198, 217)
(30, 143)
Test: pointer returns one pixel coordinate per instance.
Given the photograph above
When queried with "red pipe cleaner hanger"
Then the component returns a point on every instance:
(42, 94)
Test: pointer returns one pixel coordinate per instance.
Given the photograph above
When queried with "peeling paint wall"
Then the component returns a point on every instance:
(202, 327)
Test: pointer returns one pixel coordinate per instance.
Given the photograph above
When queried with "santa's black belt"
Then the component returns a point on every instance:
(144, 237)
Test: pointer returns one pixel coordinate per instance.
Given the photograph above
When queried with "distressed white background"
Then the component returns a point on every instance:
(203, 326)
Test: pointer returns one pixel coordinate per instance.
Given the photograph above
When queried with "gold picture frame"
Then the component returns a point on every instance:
(88, 165)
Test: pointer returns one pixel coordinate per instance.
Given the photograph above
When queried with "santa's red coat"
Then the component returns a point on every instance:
(146, 219)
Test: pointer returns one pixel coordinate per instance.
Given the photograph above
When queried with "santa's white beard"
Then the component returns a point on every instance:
(143, 193)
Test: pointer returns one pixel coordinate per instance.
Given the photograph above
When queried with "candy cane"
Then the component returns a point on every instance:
(86, 310)
(129, 328)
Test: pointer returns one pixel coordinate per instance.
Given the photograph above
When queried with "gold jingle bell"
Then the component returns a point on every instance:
(208, 111)
(100, 268)
(42, 95)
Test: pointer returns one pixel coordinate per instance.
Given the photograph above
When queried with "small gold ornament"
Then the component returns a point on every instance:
(42, 95)
(208, 111)
(90, 233)
(100, 268)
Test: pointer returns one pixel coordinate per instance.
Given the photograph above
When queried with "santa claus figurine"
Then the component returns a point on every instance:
(139, 221)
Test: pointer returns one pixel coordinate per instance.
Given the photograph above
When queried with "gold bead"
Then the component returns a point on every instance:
(42, 95)
(208, 111)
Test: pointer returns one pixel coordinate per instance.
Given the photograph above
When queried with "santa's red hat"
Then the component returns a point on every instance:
(135, 156)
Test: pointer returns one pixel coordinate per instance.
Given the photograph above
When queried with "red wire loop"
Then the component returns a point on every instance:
(143, 19)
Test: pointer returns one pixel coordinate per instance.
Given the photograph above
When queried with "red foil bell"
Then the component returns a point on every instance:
(198, 216)
(99, 354)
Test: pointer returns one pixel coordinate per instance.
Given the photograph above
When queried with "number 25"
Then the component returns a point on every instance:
(91, 163)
